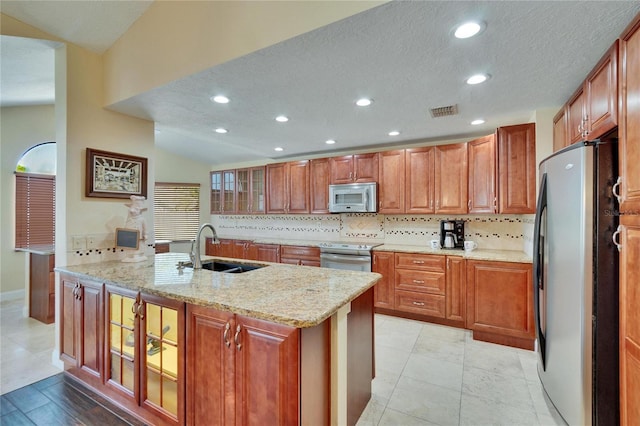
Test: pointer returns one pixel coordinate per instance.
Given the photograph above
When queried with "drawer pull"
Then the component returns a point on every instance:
(418, 262)
(418, 281)
(418, 303)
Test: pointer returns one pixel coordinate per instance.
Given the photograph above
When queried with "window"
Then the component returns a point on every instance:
(176, 213)
(35, 210)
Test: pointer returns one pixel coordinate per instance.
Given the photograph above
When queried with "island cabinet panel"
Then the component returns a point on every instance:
(451, 179)
(629, 130)
(354, 168)
(300, 255)
(456, 279)
(420, 180)
(320, 176)
(629, 319)
(145, 369)
(391, 190)
(241, 370)
(384, 264)
(482, 175)
(500, 302)
(517, 169)
(81, 339)
(560, 130)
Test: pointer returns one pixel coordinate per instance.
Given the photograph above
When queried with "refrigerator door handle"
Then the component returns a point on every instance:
(538, 264)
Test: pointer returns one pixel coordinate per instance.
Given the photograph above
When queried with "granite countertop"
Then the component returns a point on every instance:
(299, 296)
(41, 249)
(478, 254)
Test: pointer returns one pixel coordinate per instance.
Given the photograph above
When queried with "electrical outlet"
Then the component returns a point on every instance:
(92, 242)
(78, 242)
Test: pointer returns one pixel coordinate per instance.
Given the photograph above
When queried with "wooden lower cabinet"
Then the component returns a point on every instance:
(82, 325)
(264, 252)
(384, 264)
(629, 319)
(300, 255)
(420, 284)
(42, 295)
(500, 303)
(456, 279)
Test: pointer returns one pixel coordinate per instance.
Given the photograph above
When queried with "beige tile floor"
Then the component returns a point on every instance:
(425, 374)
(26, 346)
(428, 374)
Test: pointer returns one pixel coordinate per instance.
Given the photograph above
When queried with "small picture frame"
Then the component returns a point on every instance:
(112, 175)
(127, 238)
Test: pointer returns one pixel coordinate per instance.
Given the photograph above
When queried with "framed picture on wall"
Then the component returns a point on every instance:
(112, 175)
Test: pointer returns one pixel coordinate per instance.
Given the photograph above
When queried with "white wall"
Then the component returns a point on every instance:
(20, 129)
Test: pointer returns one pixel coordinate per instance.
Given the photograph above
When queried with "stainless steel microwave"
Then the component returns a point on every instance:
(353, 198)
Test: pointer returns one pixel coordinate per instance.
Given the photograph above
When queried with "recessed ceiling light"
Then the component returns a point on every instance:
(478, 121)
(363, 102)
(282, 118)
(330, 141)
(468, 29)
(394, 133)
(279, 149)
(220, 99)
(477, 79)
(221, 130)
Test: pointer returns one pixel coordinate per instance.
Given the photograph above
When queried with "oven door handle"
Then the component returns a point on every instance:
(346, 258)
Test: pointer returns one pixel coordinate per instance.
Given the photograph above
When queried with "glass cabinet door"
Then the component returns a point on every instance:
(216, 192)
(242, 190)
(257, 190)
(122, 340)
(161, 357)
(229, 191)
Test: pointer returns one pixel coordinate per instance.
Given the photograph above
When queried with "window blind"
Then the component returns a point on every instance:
(35, 210)
(176, 214)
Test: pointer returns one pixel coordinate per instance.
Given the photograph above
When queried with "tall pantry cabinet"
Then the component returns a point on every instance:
(629, 230)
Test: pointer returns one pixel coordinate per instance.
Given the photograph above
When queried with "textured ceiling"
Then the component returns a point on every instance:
(402, 55)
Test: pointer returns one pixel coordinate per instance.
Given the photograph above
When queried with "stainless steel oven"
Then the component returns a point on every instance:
(351, 257)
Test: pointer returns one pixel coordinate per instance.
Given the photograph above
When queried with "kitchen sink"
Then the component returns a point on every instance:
(227, 267)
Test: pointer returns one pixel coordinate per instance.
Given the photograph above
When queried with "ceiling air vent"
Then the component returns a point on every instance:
(444, 111)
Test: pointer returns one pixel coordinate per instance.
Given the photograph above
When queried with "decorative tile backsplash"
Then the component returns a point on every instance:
(503, 232)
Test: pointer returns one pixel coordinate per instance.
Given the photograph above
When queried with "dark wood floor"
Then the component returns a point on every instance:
(59, 400)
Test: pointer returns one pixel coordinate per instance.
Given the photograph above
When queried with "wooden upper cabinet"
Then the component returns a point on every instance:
(601, 87)
(298, 187)
(575, 116)
(392, 182)
(629, 130)
(420, 180)
(451, 179)
(482, 175)
(288, 187)
(319, 185)
(354, 168)
(517, 169)
(560, 130)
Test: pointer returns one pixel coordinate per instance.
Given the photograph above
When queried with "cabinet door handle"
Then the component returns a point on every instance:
(615, 238)
(355, 175)
(236, 338)
(225, 336)
(140, 310)
(418, 281)
(495, 204)
(350, 175)
(419, 262)
(134, 308)
(469, 205)
(418, 303)
(615, 188)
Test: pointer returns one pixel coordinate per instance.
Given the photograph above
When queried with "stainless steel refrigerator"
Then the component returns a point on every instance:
(576, 282)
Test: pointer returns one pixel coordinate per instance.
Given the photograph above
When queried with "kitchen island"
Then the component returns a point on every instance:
(276, 345)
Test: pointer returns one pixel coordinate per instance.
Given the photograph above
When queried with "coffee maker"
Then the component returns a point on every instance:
(452, 234)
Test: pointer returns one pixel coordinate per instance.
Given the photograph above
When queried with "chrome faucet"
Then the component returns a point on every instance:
(195, 245)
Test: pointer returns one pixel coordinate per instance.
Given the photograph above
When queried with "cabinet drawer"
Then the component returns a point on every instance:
(420, 303)
(426, 262)
(300, 252)
(420, 281)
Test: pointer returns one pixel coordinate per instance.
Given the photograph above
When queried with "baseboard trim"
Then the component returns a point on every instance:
(7, 296)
